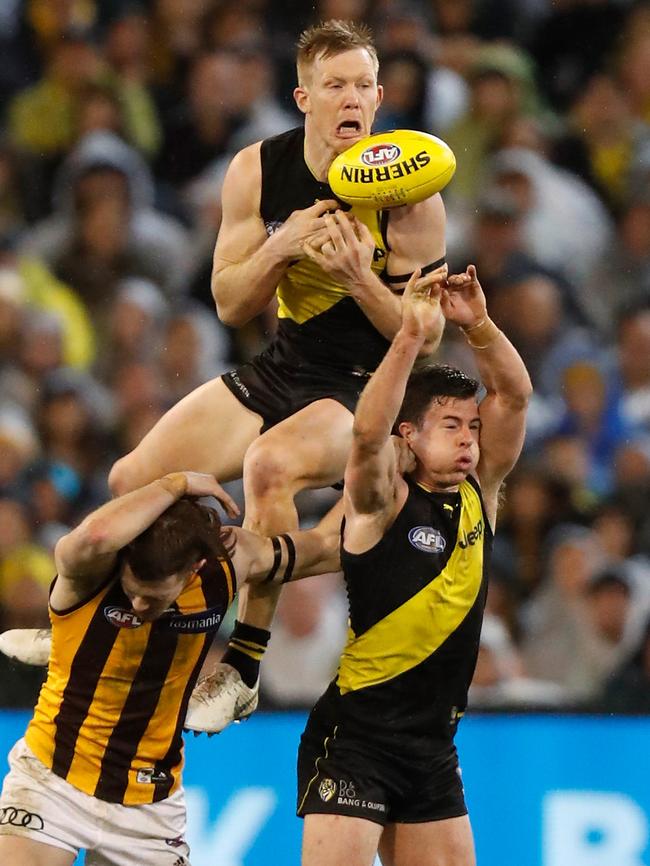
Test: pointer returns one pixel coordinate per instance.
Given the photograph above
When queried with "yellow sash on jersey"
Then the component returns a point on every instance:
(412, 632)
(306, 290)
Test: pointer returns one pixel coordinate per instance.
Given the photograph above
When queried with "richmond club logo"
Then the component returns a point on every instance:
(427, 539)
(327, 789)
(380, 154)
(122, 618)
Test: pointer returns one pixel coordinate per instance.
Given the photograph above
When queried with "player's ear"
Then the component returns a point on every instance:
(380, 95)
(301, 96)
(406, 430)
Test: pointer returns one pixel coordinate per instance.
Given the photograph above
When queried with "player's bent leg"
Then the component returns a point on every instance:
(333, 840)
(209, 430)
(17, 851)
(448, 842)
(307, 450)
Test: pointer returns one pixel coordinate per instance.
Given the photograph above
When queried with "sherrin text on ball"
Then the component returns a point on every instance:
(393, 168)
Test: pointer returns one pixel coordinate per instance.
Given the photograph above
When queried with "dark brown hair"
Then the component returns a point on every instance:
(183, 534)
(333, 37)
(435, 382)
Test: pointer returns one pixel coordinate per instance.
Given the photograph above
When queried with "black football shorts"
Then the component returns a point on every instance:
(348, 775)
(276, 384)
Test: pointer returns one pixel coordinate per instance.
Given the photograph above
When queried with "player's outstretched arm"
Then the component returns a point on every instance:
(504, 375)
(248, 264)
(88, 552)
(372, 480)
(291, 556)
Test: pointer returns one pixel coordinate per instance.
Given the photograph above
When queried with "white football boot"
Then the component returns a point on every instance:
(28, 645)
(218, 699)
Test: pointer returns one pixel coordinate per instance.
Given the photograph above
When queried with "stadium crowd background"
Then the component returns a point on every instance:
(118, 119)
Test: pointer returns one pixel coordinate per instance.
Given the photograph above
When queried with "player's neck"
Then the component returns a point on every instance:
(318, 157)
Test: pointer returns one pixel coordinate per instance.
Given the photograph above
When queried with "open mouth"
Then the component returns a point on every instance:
(348, 129)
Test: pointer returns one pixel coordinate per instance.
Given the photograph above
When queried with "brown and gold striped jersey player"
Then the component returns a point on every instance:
(110, 715)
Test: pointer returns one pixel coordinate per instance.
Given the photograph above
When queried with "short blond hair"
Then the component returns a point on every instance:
(333, 37)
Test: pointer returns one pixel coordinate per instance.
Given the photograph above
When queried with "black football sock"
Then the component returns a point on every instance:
(246, 646)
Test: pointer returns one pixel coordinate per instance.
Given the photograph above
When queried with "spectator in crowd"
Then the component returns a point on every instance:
(623, 263)
(571, 636)
(105, 227)
(564, 62)
(628, 688)
(501, 88)
(595, 418)
(566, 225)
(199, 130)
(133, 327)
(632, 370)
(499, 678)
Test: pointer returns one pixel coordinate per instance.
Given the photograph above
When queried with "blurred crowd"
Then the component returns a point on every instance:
(118, 118)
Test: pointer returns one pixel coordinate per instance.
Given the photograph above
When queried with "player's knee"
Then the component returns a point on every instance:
(268, 468)
(121, 478)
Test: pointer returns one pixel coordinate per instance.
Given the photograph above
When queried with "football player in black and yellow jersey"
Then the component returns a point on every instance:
(143, 584)
(334, 323)
(377, 766)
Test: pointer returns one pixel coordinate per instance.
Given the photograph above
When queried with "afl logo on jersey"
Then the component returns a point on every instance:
(381, 154)
(122, 618)
(427, 539)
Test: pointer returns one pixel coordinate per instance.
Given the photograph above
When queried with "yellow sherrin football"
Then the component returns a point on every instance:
(393, 168)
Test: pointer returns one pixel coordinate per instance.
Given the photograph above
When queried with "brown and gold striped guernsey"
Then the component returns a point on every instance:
(110, 715)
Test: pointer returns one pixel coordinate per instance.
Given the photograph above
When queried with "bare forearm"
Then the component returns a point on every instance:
(500, 366)
(118, 522)
(384, 309)
(242, 290)
(382, 397)
(379, 304)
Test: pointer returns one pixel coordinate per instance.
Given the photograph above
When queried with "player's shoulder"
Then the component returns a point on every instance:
(243, 181)
(246, 159)
(251, 155)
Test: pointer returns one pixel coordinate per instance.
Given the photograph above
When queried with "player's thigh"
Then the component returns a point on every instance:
(448, 842)
(333, 840)
(209, 430)
(309, 448)
(147, 835)
(18, 851)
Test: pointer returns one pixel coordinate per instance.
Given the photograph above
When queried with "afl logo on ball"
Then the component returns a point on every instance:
(122, 618)
(381, 154)
(427, 539)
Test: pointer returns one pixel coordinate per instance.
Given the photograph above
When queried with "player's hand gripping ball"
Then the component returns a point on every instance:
(392, 168)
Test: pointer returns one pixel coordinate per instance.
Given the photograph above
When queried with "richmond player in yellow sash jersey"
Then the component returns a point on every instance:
(335, 322)
(143, 584)
(377, 767)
